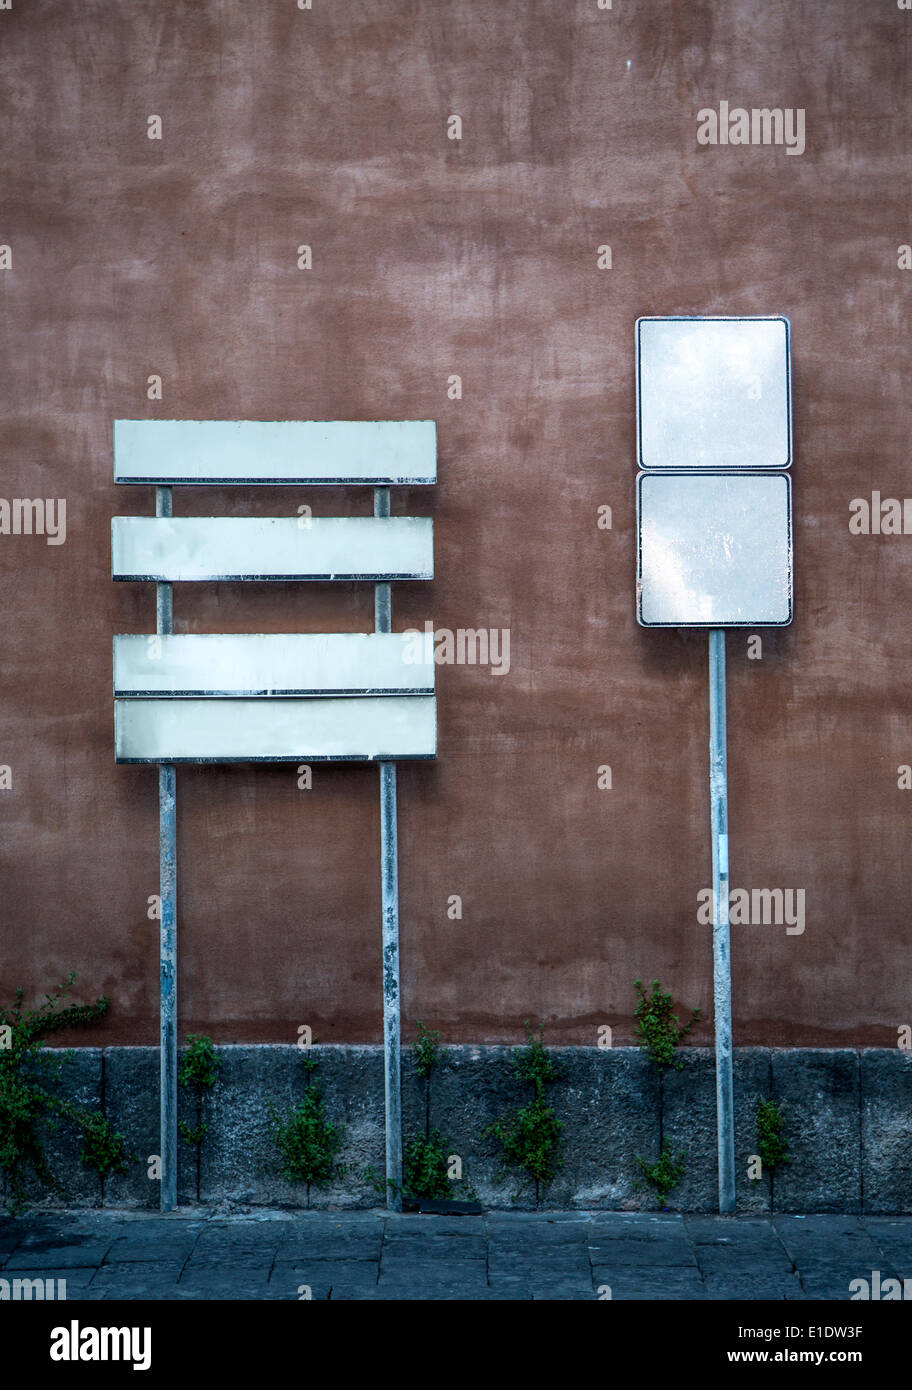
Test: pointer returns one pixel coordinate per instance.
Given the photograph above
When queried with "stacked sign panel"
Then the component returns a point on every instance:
(714, 497)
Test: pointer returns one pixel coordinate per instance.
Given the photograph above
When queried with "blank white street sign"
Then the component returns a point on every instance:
(181, 548)
(714, 547)
(387, 728)
(714, 393)
(379, 453)
(714, 550)
(228, 698)
(346, 663)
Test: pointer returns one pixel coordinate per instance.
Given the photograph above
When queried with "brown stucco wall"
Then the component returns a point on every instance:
(476, 257)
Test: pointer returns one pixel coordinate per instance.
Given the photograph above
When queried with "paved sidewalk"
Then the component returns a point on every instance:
(500, 1255)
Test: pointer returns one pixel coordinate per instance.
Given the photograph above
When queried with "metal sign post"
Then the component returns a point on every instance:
(718, 788)
(389, 898)
(274, 697)
(167, 875)
(714, 550)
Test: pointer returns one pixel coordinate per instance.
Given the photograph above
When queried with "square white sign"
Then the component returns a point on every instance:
(714, 393)
(714, 550)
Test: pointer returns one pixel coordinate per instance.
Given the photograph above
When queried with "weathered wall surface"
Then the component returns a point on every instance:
(845, 1118)
(475, 257)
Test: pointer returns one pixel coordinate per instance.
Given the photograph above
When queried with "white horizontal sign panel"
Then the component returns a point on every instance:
(247, 547)
(252, 731)
(379, 452)
(713, 393)
(274, 664)
(714, 550)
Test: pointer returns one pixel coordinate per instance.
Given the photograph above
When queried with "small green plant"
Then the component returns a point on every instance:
(103, 1148)
(772, 1146)
(377, 1182)
(308, 1141)
(201, 1063)
(424, 1167)
(530, 1136)
(27, 1071)
(425, 1173)
(199, 1071)
(425, 1158)
(658, 1027)
(664, 1175)
(427, 1049)
(193, 1134)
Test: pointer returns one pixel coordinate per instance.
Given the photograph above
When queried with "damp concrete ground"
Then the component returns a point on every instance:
(257, 1254)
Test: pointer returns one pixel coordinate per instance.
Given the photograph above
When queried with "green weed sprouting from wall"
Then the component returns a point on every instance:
(308, 1141)
(658, 1027)
(659, 1031)
(427, 1160)
(427, 1171)
(663, 1175)
(427, 1049)
(199, 1070)
(424, 1167)
(102, 1147)
(530, 1135)
(772, 1146)
(27, 1069)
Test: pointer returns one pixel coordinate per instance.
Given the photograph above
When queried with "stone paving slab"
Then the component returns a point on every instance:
(748, 1288)
(651, 1284)
(743, 1259)
(830, 1284)
(74, 1278)
(539, 1268)
(320, 1255)
(642, 1253)
(411, 1247)
(148, 1248)
(41, 1255)
(425, 1274)
(127, 1280)
(337, 1275)
(333, 1245)
(893, 1237)
(825, 1240)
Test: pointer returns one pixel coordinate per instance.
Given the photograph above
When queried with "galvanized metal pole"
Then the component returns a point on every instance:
(167, 849)
(389, 884)
(718, 786)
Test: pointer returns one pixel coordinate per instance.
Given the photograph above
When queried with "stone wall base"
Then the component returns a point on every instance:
(848, 1120)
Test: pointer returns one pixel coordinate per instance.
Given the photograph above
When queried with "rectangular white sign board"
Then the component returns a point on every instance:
(348, 663)
(387, 728)
(376, 452)
(714, 550)
(713, 393)
(198, 548)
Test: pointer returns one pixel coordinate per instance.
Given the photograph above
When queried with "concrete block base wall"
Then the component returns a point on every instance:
(848, 1119)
